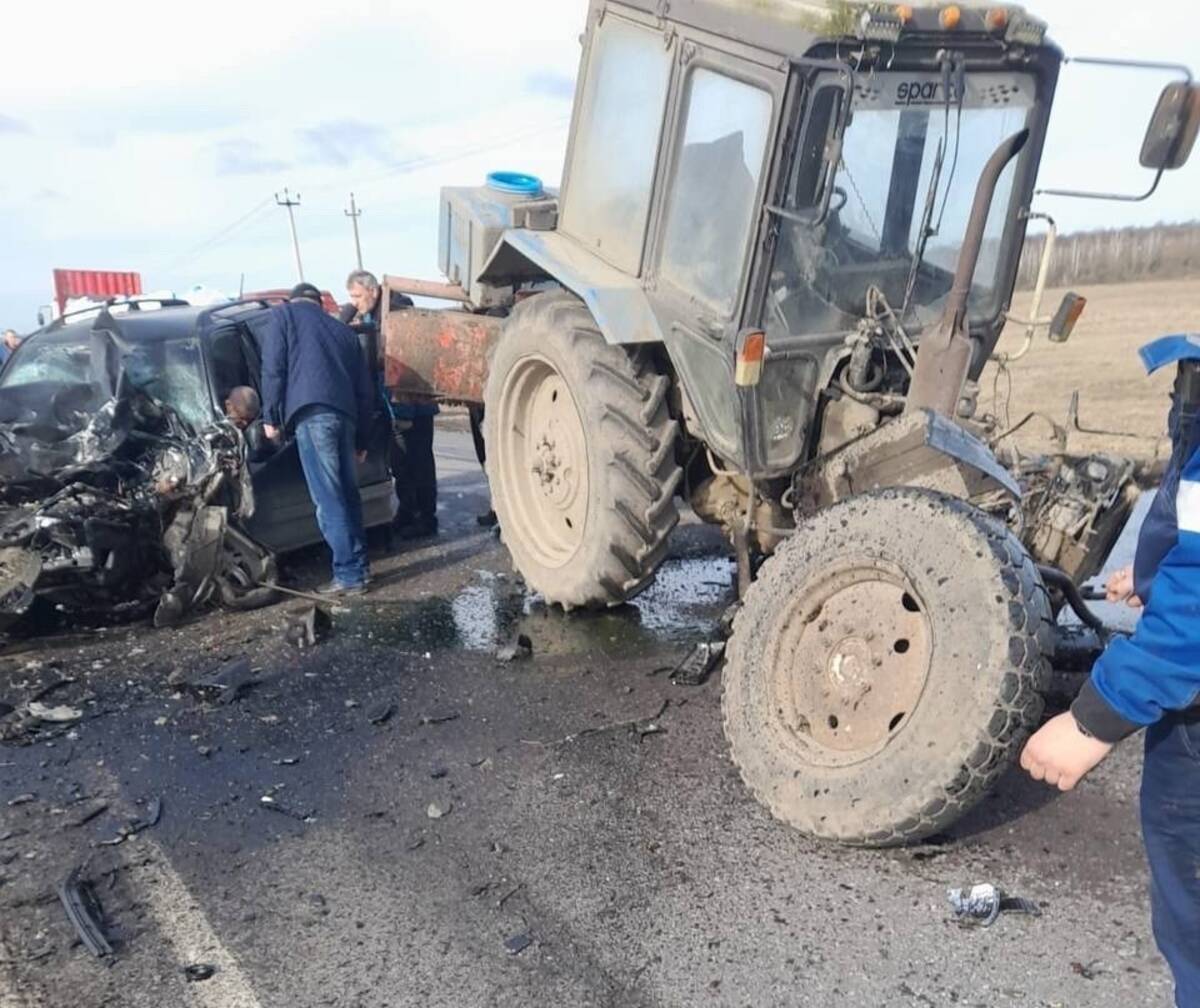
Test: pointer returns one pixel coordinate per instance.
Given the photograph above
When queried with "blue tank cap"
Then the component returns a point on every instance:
(517, 183)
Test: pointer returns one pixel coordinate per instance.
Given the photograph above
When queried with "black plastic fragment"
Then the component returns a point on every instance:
(697, 666)
(197, 972)
(84, 912)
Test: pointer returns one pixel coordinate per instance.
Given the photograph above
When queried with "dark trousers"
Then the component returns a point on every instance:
(1171, 828)
(415, 473)
(325, 439)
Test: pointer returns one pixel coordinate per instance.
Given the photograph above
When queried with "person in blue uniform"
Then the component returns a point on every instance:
(1151, 680)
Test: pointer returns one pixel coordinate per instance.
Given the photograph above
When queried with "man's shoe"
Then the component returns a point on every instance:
(337, 588)
(418, 530)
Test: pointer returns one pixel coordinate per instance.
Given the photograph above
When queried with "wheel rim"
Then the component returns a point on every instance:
(849, 663)
(543, 462)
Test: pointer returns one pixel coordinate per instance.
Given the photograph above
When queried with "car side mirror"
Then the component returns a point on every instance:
(1065, 318)
(1171, 134)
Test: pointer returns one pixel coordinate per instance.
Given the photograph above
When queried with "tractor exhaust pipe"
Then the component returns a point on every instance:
(944, 356)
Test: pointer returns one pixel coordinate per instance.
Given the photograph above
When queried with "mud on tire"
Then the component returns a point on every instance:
(886, 667)
(580, 455)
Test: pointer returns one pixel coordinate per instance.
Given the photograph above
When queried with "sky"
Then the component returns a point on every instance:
(155, 137)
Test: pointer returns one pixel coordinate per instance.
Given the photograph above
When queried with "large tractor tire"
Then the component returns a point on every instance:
(886, 667)
(580, 455)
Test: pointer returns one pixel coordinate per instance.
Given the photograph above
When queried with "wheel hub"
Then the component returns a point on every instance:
(546, 455)
(852, 662)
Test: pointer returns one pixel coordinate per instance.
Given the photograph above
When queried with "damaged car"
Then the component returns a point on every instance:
(124, 488)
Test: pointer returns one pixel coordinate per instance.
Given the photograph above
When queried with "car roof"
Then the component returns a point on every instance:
(142, 325)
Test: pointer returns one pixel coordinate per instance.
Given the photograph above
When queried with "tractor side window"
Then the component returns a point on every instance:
(712, 200)
(607, 197)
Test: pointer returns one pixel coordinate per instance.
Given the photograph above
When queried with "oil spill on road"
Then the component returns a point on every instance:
(682, 605)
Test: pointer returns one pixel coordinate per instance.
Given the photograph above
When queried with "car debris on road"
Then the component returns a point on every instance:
(981, 904)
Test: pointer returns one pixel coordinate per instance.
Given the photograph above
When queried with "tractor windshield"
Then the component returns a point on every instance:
(901, 197)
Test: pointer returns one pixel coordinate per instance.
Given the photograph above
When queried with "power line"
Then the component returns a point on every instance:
(215, 238)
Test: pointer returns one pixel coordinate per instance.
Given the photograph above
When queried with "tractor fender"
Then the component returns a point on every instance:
(617, 301)
(919, 449)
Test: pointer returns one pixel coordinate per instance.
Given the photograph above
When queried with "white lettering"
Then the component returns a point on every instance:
(1187, 506)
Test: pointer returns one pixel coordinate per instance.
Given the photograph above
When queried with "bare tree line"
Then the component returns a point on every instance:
(1162, 252)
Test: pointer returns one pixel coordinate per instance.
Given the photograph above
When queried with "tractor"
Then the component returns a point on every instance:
(782, 253)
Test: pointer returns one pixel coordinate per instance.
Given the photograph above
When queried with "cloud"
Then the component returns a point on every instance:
(245, 157)
(10, 125)
(551, 84)
(52, 195)
(340, 142)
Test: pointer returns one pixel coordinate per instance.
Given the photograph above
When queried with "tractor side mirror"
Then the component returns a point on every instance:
(1065, 318)
(1173, 127)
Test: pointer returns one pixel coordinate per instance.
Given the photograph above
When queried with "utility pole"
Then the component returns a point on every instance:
(288, 202)
(354, 213)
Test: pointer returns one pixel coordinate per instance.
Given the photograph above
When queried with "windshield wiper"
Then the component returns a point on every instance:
(953, 73)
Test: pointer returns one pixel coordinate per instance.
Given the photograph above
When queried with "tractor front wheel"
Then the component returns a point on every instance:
(886, 667)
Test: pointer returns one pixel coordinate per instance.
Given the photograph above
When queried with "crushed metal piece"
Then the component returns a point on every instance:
(697, 666)
(136, 825)
(519, 647)
(231, 680)
(983, 903)
(197, 972)
(84, 912)
(54, 715)
(381, 713)
(518, 943)
(438, 810)
(307, 626)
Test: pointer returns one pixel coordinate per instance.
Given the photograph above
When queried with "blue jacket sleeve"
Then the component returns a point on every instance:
(1139, 678)
(274, 368)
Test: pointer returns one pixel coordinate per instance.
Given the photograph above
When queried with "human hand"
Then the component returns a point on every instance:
(1060, 754)
(1119, 588)
(271, 432)
(360, 456)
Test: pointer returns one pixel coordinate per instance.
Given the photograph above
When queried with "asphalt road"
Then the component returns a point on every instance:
(590, 818)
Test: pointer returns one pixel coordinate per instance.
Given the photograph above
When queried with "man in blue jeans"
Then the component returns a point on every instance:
(315, 381)
(1151, 680)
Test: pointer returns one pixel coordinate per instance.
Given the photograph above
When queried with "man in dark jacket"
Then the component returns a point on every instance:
(1152, 680)
(412, 463)
(315, 381)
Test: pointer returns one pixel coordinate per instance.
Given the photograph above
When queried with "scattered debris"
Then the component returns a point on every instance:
(231, 680)
(442, 718)
(381, 713)
(415, 843)
(697, 666)
(6, 708)
(518, 943)
(54, 715)
(983, 903)
(438, 772)
(84, 912)
(22, 799)
(287, 761)
(643, 726)
(307, 626)
(271, 802)
(517, 648)
(88, 816)
(509, 895)
(439, 809)
(136, 825)
(198, 972)
(725, 623)
(1089, 971)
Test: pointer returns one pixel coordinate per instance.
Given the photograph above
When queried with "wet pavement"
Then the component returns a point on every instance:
(393, 817)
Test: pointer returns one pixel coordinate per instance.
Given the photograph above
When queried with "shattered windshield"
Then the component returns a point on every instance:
(170, 371)
(909, 166)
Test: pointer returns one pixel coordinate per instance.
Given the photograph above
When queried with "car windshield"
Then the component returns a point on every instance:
(909, 166)
(171, 371)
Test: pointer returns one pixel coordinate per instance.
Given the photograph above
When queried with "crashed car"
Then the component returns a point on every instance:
(125, 490)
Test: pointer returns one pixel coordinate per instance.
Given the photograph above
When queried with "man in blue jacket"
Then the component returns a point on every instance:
(1152, 680)
(315, 381)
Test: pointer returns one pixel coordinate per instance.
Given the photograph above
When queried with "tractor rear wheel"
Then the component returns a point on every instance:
(887, 665)
(580, 455)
